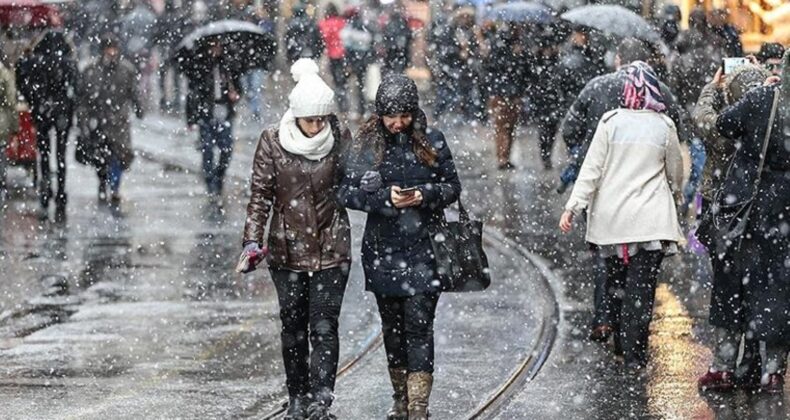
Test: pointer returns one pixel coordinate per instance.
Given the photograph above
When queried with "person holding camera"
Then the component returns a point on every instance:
(402, 174)
(295, 172)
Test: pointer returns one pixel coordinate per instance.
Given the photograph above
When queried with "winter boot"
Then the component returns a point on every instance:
(400, 401)
(419, 389)
(297, 409)
(318, 410)
(44, 195)
(103, 199)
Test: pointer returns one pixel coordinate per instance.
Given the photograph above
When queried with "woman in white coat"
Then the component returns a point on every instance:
(628, 184)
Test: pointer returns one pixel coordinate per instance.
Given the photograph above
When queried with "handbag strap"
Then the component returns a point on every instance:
(767, 140)
(463, 215)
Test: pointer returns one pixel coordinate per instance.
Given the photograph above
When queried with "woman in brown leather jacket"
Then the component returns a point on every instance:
(295, 172)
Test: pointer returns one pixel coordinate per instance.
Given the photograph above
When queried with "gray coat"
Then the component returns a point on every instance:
(9, 121)
(108, 95)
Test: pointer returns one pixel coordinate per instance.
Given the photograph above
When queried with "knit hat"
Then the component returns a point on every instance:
(311, 96)
(397, 93)
(743, 79)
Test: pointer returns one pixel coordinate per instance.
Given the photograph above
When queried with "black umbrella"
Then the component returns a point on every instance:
(245, 44)
(615, 20)
(522, 11)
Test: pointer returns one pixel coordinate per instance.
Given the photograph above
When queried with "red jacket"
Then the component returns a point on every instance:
(330, 29)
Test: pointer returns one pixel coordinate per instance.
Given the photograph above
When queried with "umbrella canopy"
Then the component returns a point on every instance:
(244, 43)
(27, 13)
(521, 11)
(614, 20)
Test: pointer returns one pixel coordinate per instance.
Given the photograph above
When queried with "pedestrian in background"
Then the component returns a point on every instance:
(509, 73)
(302, 36)
(634, 163)
(402, 174)
(331, 27)
(295, 173)
(358, 43)
(9, 120)
(47, 80)
(214, 90)
(762, 249)
(728, 294)
(395, 42)
(770, 56)
(108, 95)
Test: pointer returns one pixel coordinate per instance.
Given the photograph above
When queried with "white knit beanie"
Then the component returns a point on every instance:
(311, 96)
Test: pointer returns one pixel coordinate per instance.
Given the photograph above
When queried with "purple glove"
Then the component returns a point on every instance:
(371, 181)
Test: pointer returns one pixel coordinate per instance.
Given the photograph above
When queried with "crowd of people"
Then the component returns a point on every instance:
(622, 117)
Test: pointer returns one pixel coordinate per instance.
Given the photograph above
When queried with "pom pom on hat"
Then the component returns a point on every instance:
(303, 67)
(311, 97)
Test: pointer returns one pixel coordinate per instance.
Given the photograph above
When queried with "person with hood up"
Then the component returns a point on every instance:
(401, 173)
(634, 163)
(728, 293)
(47, 80)
(9, 120)
(108, 94)
(763, 115)
(295, 172)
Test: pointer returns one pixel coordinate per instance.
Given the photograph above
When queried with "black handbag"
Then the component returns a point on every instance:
(730, 220)
(91, 148)
(461, 262)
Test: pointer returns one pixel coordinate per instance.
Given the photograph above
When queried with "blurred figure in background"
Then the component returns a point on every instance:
(331, 27)
(358, 43)
(47, 79)
(396, 38)
(302, 37)
(770, 56)
(509, 74)
(170, 28)
(9, 120)
(108, 94)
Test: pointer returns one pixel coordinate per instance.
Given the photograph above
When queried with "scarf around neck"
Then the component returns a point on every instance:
(294, 141)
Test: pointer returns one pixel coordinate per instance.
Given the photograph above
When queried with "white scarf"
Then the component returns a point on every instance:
(313, 148)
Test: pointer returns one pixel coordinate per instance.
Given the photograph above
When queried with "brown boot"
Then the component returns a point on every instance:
(400, 402)
(419, 384)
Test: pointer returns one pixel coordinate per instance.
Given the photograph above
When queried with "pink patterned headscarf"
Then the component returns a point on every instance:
(641, 89)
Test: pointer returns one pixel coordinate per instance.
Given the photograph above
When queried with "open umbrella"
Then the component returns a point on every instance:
(244, 43)
(614, 20)
(522, 11)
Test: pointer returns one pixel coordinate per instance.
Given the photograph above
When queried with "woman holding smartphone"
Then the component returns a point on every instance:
(294, 176)
(402, 174)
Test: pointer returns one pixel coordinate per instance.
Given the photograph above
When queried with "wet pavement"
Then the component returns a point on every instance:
(139, 315)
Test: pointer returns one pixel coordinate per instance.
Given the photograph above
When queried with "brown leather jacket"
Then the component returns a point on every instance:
(309, 231)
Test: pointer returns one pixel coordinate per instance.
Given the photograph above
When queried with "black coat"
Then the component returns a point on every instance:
(764, 250)
(47, 77)
(303, 39)
(204, 103)
(508, 67)
(396, 251)
(601, 95)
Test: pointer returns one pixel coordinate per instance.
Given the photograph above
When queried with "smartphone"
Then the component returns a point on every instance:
(732, 63)
(408, 191)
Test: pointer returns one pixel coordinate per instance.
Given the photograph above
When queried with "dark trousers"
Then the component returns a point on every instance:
(310, 307)
(629, 301)
(215, 135)
(337, 67)
(359, 67)
(61, 127)
(407, 326)
(547, 132)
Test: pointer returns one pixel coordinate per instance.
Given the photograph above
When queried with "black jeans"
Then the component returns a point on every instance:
(61, 125)
(629, 302)
(407, 326)
(310, 307)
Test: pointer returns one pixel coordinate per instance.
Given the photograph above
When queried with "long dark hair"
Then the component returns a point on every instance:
(373, 136)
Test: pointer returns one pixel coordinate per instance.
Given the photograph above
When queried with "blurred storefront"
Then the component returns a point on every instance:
(758, 20)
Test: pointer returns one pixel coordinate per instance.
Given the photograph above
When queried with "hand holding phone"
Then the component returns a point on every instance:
(408, 191)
